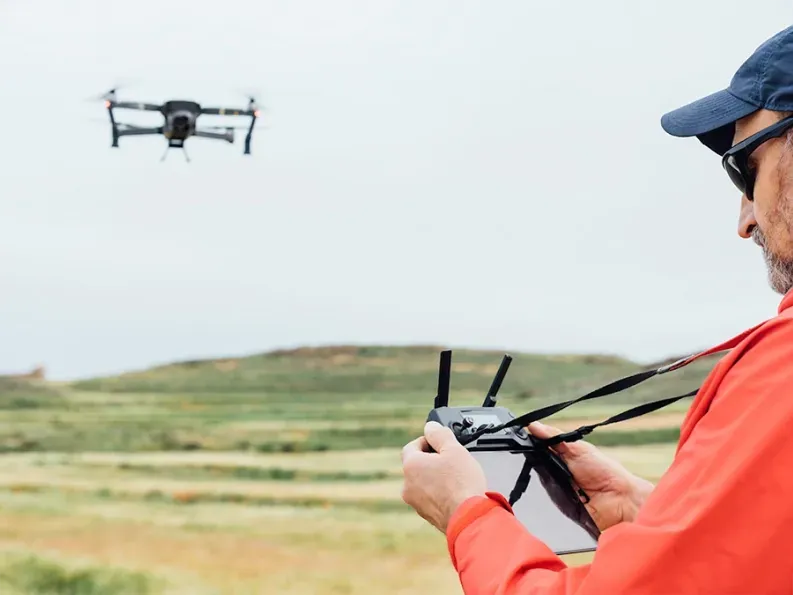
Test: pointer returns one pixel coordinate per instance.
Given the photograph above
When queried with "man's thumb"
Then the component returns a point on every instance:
(439, 437)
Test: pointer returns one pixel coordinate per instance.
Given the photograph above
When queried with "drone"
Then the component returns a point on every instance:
(181, 117)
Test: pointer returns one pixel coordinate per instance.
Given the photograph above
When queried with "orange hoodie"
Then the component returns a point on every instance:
(719, 521)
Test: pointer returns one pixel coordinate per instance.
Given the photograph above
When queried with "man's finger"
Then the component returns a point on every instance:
(542, 430)
(414, 446)
(440, 437)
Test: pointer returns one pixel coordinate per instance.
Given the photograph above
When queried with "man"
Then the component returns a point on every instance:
(721, 519)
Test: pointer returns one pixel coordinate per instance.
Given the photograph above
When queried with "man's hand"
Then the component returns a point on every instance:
(436, 483)
(615, 493)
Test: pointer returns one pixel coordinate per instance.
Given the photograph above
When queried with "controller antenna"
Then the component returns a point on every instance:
(444, 379)
(490, 399)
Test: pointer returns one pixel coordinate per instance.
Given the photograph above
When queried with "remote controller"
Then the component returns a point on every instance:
(510, 457)
(465, 421)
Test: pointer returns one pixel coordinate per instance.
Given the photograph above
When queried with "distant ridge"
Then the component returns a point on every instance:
(394, 373)
(342, 352)
(37, 373)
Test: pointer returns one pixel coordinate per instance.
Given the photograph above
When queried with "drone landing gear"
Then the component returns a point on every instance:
(175, 144)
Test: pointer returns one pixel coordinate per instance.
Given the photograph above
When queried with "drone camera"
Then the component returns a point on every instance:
(180, 123)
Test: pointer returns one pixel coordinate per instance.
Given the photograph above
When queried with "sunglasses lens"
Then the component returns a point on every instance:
(735, 173)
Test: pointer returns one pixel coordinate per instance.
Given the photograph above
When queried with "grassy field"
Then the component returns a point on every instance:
(277, 473)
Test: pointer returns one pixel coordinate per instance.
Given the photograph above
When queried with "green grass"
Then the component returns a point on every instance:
(307, 400)
(214, 472)
(279, 472)
(19, 394)
(636, 437)
(101, 537)
(30, 574)
(42, 434)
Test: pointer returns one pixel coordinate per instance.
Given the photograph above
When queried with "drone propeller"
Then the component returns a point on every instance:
(251, 95)
(253, 106)
(111, 93)
(248, 92)
(103, 96)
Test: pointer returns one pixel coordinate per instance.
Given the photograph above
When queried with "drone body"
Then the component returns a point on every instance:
(180, 121)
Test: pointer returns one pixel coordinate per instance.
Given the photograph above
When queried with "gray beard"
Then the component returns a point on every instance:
(780, 271)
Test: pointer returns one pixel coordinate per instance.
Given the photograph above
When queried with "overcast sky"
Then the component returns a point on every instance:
(487, 174)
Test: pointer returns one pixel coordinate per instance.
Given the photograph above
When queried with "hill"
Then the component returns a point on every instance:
(309, 399)
(380, 370)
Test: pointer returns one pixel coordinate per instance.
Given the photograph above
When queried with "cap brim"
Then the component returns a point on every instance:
(711, 119)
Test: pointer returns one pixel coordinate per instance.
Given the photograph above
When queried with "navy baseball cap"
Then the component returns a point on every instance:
(763, 81)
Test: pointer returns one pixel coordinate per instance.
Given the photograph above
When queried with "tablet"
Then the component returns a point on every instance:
(548, 510)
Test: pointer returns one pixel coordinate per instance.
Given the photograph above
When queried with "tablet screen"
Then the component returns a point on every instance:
(539, 513)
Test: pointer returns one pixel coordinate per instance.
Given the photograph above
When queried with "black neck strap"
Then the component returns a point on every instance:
(614, 387)
(609, 389)
(582, 431)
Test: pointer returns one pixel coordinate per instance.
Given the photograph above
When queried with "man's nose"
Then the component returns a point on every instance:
(746, 219)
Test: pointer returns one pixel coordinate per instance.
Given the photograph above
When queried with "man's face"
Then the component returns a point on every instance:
(768, 220)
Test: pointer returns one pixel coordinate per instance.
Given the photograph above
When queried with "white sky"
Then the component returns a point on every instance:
(487, 174)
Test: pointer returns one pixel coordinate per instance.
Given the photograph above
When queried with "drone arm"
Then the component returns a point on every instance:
(136, 131)
(226, 136)
(148, 107)
(225, 111)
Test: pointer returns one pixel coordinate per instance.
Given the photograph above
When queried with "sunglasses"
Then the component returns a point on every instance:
(736, 160)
